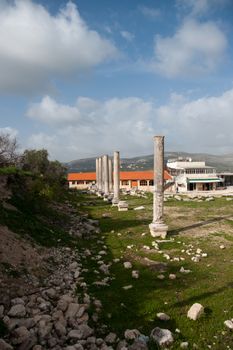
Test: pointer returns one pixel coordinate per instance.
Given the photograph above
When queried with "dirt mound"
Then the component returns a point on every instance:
(21, 264)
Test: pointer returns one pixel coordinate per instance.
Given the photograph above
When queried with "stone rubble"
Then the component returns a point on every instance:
(162, 316)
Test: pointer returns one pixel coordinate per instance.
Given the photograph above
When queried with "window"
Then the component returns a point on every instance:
(80, 182)
(151, 183)
(125, 182)
(73, 182)
(143, 183)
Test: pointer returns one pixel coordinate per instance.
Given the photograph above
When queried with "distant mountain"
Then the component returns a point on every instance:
(220, 162)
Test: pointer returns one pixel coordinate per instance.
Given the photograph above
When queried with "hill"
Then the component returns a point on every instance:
(220, 162)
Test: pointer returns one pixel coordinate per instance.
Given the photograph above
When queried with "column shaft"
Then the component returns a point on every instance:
(106, 175)
(158, 178)
(97, 173)
(110, 174)
(116, 177)
(157, 227)
(100, 174)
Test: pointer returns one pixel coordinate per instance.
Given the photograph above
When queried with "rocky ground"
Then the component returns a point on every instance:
(52, 307)
(49, 306)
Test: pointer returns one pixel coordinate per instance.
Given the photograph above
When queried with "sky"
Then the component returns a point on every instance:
(83, 78)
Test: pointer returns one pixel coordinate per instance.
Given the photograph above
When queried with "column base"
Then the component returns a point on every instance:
(115, 202)
(158, 229)
(123, 206)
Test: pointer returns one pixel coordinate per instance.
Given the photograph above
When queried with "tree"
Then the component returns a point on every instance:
(8, 150)
(49, 177)
(35, 161)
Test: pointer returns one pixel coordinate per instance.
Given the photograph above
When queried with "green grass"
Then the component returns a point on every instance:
(210, 283)
(38, 222)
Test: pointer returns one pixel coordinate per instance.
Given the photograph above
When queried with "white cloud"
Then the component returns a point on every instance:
(195, 49)
(89, 126)
(50, 112)
(200, 7)
(150, 12)
(128, 125)
(9, 131)
(127, 35)
(202, 125)
(36, 46)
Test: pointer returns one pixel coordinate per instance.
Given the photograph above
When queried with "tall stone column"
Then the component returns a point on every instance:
(106, 175)
(100, 175)
(158, 228)
(110, 175)
(116, 178)
(97, 173)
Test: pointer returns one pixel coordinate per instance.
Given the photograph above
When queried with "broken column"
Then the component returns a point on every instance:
(116, 178)
(97, 173)
(106, 175)
(110, 175)
(158, 228)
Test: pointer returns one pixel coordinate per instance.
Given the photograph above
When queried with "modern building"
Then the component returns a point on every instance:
(143, 180)
(192, 175)
(227, 179)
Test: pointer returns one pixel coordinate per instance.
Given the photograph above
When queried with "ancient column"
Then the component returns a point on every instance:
(116, 178)
(106, 175)
(157, 227)
(97, 173)
(110, 175)
(100, 174)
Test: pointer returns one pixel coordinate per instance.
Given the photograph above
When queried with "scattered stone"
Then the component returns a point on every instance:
(123, 206)
(195, 311)
(131, 334)
(166, 256)
(138, 344)
(106, 215)
(135, 274)
(182, 270)
(17, 311)
(222, 246)
(195, 259)
(111, 338)
(1, 311)
(4, 345)
(162, 316)
(127, 265)
(75, 334)
(140, 208)
(184, 345)
(162, 337)
(20, 335)
(104, 268)
(161, 277)
(172, 276)
(127, 287)
(229, 324)
(72, 310)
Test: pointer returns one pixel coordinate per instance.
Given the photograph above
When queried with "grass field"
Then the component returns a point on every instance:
(192, 225)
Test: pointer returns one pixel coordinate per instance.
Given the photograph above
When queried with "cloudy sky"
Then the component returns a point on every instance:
(82, 78)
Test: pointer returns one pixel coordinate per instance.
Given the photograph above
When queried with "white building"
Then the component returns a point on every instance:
(193, 175)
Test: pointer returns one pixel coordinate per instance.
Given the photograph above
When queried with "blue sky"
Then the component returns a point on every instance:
(83, 78)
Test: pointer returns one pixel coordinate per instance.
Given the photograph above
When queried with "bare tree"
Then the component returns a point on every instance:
(8, 150)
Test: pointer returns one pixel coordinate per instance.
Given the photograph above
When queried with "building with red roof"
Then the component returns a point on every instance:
(128, 179)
